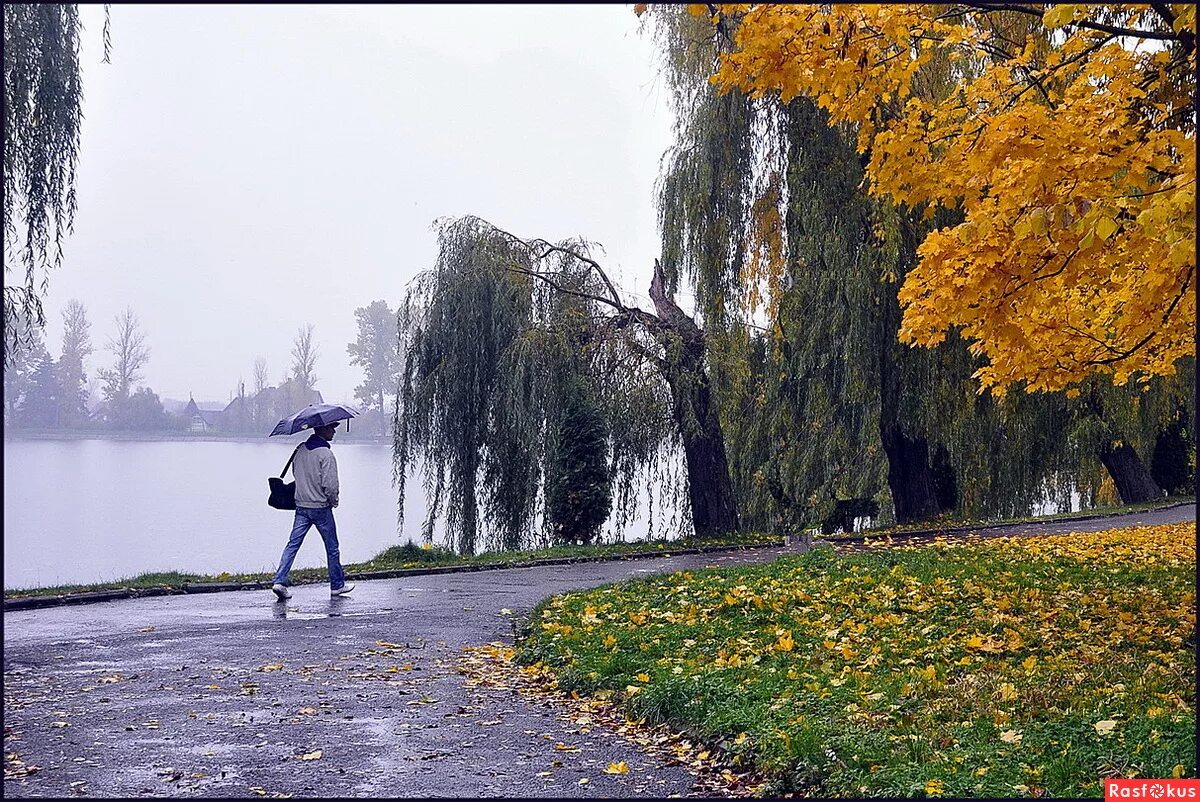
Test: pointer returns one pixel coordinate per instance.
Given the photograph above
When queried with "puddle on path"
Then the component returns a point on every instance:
(280, 611)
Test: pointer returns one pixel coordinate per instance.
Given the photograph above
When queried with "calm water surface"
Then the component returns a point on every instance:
(82, 511)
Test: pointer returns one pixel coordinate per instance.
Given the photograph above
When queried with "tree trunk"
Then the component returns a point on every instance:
(911, 478)
(1170, 467)
(1129, 473)
(914, 492)
(382, 416)
(710, 487)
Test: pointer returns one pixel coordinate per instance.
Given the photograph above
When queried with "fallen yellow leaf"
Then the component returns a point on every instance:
(311, 755)
(617, 768)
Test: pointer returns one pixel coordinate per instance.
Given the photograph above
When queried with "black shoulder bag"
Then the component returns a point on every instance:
(283, 496)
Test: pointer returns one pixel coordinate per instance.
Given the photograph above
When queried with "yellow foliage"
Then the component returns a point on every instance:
(1072, 158)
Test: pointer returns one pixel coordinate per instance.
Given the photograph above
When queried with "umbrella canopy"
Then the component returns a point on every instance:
(312, 416)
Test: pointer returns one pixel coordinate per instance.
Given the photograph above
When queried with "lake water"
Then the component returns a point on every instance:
(81, 511)
(89, 511)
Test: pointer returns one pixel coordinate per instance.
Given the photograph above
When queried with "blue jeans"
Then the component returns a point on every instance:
(322, 518)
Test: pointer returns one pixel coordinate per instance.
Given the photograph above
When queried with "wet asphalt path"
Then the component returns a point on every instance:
(234, 694)
(188, 709)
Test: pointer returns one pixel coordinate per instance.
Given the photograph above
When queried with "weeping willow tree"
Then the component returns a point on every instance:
(1135, 443)
(703, 208)
(531, 390)
(762, 204)
(42, 117)
(457, 325)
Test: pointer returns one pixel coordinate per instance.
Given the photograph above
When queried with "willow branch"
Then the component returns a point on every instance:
(550, 248)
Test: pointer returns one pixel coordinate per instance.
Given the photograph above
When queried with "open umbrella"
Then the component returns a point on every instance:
(312, 416)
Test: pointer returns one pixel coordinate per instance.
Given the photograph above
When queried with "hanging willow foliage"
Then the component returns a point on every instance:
(42, 118)
(523, 378)
(765, 197)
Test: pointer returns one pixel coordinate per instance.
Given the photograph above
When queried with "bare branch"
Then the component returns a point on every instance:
(542, 249)
(1136, 33)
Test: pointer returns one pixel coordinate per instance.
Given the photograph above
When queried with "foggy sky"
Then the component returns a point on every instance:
(245, 170)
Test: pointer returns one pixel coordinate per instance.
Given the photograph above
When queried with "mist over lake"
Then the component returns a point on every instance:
(82, 511)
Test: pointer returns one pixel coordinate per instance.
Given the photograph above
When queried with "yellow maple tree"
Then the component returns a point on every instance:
(1065, 136)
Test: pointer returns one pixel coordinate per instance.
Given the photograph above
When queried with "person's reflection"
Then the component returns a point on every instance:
(336, 603)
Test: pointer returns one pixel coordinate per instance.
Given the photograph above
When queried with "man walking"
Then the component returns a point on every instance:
(316, 475)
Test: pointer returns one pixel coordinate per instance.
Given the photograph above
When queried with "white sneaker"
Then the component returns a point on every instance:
(343, 590)
(281, 591)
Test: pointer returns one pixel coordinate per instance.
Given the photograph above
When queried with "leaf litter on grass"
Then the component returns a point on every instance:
(715, 772)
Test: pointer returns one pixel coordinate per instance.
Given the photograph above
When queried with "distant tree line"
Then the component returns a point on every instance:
(41, 392)
(45, 392)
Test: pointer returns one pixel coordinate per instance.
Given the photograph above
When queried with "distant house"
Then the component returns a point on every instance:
(200, 420)
(245, 414)
(237, 414)
(281, 401)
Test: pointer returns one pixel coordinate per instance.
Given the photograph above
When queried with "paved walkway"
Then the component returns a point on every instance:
(233, 694)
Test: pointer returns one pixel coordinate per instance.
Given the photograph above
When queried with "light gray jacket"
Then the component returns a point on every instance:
(315, 469)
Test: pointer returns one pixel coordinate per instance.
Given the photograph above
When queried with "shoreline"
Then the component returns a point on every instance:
(380, 568)
(384, 565)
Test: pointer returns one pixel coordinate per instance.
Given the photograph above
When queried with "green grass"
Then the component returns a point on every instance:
(949, 522)
(994, 668)
(404, 556)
